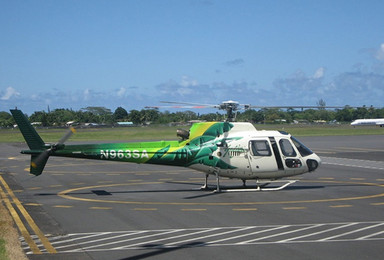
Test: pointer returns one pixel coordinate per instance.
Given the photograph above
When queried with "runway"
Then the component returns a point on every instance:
(84, 209)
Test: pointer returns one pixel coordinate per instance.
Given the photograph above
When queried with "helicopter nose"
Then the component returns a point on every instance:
(313, 163)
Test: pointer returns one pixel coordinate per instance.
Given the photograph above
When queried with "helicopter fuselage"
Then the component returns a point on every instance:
(261, 155)
(227, 149)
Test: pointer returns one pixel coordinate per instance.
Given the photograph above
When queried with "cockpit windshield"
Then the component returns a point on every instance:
(304, 151)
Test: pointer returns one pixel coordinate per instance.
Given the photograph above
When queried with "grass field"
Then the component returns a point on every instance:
(121, 134)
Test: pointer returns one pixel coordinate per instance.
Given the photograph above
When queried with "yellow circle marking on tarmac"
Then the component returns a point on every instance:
(294, 208)
(341, 206)
(64, 194)
(145, 209)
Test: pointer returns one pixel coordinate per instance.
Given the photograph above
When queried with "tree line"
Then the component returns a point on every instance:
(105, 116)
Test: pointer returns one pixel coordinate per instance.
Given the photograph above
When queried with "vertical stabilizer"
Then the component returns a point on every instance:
(32, 138)
(37, 164)
(38, 151)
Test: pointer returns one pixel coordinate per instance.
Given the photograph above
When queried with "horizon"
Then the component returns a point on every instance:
(133, 54)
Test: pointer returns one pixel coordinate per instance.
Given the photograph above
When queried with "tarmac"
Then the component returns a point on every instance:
(85, 209)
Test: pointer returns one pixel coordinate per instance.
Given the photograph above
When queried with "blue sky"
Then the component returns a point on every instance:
(135, 53)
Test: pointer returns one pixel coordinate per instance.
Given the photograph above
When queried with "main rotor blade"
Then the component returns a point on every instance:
(187, 103)
(274, 107)
(157, 107)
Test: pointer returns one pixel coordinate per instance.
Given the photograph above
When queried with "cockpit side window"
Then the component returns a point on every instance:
(286, 148)
(260, 148)
(303, 150)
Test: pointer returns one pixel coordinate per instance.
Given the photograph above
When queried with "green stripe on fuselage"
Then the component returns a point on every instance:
(197, 149)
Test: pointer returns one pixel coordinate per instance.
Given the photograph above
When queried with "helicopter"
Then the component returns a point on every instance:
(235, 150)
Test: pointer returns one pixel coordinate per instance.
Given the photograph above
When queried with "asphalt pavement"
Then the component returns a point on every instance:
(84, 209)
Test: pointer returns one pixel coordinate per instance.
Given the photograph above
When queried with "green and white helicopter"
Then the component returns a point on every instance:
(223, 149)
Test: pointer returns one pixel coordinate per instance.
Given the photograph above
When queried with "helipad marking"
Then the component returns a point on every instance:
(193, 209)
(377, 204)
(218, 236)
(100, 207)
(294, 208)
(32, 204)
(63, 206)
(34, 188)
(341, 206)
(10, 199)
(65, 194)
(244, 209)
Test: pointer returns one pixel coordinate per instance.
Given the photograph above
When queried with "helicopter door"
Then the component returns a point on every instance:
(261, 158)
(291, 160)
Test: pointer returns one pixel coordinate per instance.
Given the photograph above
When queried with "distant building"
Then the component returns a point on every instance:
(91, 124)
(125, 123)
(301, 121)
(70, 123)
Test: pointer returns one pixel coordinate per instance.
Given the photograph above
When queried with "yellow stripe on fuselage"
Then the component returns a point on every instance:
(197, 129)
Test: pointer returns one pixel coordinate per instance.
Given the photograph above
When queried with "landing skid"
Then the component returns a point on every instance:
(260, 186)
(285, 183)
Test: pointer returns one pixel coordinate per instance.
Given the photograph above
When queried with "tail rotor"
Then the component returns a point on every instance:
(40, 160)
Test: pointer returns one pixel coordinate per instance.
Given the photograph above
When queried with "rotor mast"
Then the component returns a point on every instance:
(231, 107)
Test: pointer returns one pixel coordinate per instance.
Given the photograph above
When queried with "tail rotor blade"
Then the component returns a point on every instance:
(70, 132)
(39, 160)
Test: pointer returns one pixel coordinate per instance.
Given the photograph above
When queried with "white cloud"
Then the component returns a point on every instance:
(350, 88)
(319, 73)
(187, 82)
(121, 92)
(87, 94)
(179, 90)
(9, 93)
(380, 53)
(191, 91)
(235, 62)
